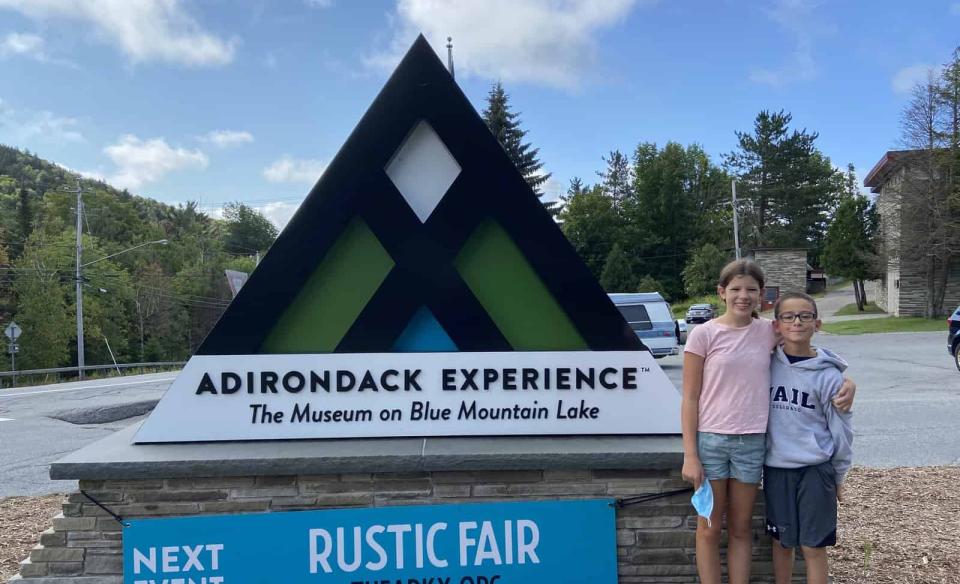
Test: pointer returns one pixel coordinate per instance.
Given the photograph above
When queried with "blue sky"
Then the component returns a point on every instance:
(223, 100)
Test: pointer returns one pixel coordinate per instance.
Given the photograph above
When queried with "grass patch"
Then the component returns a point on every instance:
(680, 308)
(850, 309)
(890, 324)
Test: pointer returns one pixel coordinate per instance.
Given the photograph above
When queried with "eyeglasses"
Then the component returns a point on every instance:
(803, 316)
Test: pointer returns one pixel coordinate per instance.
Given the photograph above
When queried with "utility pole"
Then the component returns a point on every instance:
(78, 278)
(736, 228)
(450, 56)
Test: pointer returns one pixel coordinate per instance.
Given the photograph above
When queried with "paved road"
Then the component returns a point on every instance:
(30, 439)
(907, 410)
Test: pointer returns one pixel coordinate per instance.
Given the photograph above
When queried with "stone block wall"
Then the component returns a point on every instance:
(786, 268)
(655, 540)
(881, 296)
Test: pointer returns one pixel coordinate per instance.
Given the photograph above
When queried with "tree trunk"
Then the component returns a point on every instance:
(942, 286)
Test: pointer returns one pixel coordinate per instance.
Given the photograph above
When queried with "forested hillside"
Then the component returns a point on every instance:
(154, 303)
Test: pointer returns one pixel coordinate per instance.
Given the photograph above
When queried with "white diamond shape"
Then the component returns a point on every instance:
(423, 169)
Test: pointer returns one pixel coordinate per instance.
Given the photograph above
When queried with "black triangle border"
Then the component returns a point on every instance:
(489, 186)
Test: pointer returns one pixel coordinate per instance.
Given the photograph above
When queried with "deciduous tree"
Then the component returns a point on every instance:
(591, 224)
(850, 250)
(702, 270)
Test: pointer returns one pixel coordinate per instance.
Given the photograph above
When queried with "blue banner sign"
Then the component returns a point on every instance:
(487, 543)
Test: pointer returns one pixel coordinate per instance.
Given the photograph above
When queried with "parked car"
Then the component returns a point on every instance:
(651, 320)
(681, 331)
(700, 313)
(953, 336)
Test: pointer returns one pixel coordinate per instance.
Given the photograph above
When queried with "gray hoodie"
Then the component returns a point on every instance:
(804, 428)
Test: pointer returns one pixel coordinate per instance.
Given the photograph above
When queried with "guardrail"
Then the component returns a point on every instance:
(58, 372)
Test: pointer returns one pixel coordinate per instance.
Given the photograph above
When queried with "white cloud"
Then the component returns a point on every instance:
(19, 126)
(907, 78)
(547, 42)
(90, 174)
(279, 213)
(318, 3)
(227, 138)
(145, 161)
(288, 169)
(144, 30)
(552, 189)
(16, 43)
(797, 18)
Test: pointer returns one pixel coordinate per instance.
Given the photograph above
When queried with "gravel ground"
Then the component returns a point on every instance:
(897, 526)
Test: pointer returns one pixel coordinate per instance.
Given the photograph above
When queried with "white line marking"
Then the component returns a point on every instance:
(2, 395)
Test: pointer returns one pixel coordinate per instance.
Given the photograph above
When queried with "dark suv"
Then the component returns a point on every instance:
(953, 336)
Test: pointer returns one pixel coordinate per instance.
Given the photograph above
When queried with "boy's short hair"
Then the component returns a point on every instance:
(791, 296)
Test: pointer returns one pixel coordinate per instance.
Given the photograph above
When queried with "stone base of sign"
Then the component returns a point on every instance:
(655, 540)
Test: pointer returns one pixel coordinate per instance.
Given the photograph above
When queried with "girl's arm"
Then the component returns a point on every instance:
(843, 401)
(689, 417)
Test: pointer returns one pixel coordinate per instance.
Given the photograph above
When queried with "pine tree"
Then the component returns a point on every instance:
(787, 186)
(505, 125)
(616, 180)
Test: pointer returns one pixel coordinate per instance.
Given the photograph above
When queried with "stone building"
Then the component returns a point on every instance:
(785, 270)
(902, 289)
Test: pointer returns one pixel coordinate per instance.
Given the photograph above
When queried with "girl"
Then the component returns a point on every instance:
(726, 400)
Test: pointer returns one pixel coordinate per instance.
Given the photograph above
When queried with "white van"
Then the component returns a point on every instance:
(648, 314)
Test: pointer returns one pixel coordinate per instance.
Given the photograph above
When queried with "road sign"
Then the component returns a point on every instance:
(13, 348)
(12, 331)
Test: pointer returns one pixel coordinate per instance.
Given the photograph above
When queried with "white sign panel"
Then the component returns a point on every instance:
(12, 331)
(269, 397)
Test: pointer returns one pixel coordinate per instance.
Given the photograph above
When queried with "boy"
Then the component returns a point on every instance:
(808, 443)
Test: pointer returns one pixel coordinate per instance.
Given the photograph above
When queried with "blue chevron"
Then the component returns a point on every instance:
(424, 335)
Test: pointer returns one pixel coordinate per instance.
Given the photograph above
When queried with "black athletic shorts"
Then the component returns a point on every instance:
(801, 505)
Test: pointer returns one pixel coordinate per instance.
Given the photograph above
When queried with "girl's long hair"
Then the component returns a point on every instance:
(741, 268)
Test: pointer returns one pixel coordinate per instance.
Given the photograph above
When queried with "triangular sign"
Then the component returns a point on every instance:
(421, 235)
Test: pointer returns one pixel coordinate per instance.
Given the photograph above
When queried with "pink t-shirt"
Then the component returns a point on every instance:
(735, 394)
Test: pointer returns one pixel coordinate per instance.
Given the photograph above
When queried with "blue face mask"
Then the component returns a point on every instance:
(703, 501)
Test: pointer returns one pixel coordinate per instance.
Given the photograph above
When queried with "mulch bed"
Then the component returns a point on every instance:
(22, 519)
(897, 526)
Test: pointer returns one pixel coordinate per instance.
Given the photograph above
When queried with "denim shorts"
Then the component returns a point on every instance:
(732, 456)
